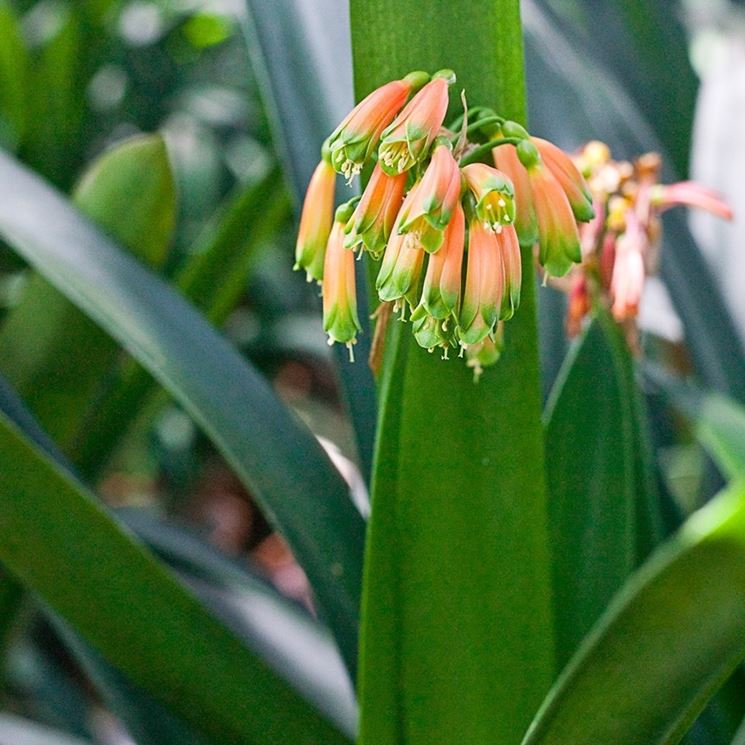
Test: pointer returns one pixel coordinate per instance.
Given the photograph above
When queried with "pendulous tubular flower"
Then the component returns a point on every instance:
(372, 221)
(494, 194)
(340, 320)
(506, 160)
(406, 141)
(352, 143)
(689, 194)
(628, 277)
(315, 222)
(436, 196)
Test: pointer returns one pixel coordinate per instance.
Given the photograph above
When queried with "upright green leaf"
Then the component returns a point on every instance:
(119, 598)
(591, 478)
(669, 640)
(279, 461)
(130, 193)
(457, 578)
(13, 70)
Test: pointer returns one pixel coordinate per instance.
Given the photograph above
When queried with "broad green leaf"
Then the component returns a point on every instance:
(282, 465)
(315, 78)
(590, 472)
(122, 601)
(670, 638)
(457, 584)
(214, 279)
(130, 193)
(19, 731)
(13, 69)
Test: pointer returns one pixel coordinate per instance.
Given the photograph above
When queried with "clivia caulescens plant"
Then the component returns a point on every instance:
(449, 227)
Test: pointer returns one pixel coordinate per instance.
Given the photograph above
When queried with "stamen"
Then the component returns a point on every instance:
(350, 347)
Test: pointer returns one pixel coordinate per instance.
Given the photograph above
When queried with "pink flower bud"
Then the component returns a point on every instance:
(315, 222)
(494, 193)
(506, 160)
(407, 140)
(437, 195)
(690, 194)
(558, 238)
(570, 179)
(628, 270)
(340, 320)
(374, 216)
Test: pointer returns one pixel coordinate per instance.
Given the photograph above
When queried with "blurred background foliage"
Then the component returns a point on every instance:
(241, 97)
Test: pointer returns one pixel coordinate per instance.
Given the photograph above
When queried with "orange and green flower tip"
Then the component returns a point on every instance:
(401, 268)
(507, 161)
(340, 320)
(442, 282)
(437, 195)
(373, 219)
(432, 332)
(484, 288)
(315, 222)
(558, 236)
(486, 353)
(494, 193)
(352, 143)
(406, 141)
(570, 179)
(513, 272)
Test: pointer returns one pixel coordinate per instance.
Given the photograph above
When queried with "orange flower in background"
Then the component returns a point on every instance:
(408, 139)
(315, 222)
(373, 219)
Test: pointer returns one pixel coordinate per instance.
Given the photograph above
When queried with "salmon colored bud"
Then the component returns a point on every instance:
(628, 270)
(437, 195)
(494, 193)
(401, 267)
(513, 271)
(340, 319)
(352, 143)
(578, 306)
(690, 194)
(373, 219)
(558, 237)
(441, 290)
(315, 222)
(569, 178)
(482, 298)
(506, 160)
(407, 140)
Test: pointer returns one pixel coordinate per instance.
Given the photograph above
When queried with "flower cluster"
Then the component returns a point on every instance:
(620, 243)
(445, 226)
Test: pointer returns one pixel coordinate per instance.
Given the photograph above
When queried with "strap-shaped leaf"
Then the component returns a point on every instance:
(280, 462)
(60, 543)
(668, 641)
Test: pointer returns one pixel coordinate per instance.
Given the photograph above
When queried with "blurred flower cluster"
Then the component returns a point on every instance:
(620, 244)
(445, 226)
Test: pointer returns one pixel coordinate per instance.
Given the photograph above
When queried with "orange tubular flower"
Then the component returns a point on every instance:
(558, 237)
(401, 268)
(494, 193)
(513, 271)
(690, 194)
(570, 179)
(340, 320)
(373, 219)
(506, 160)
(315, 222)
(441, 291)
(352, 143)
(407, 140)
(437, 195)
(482, 299)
